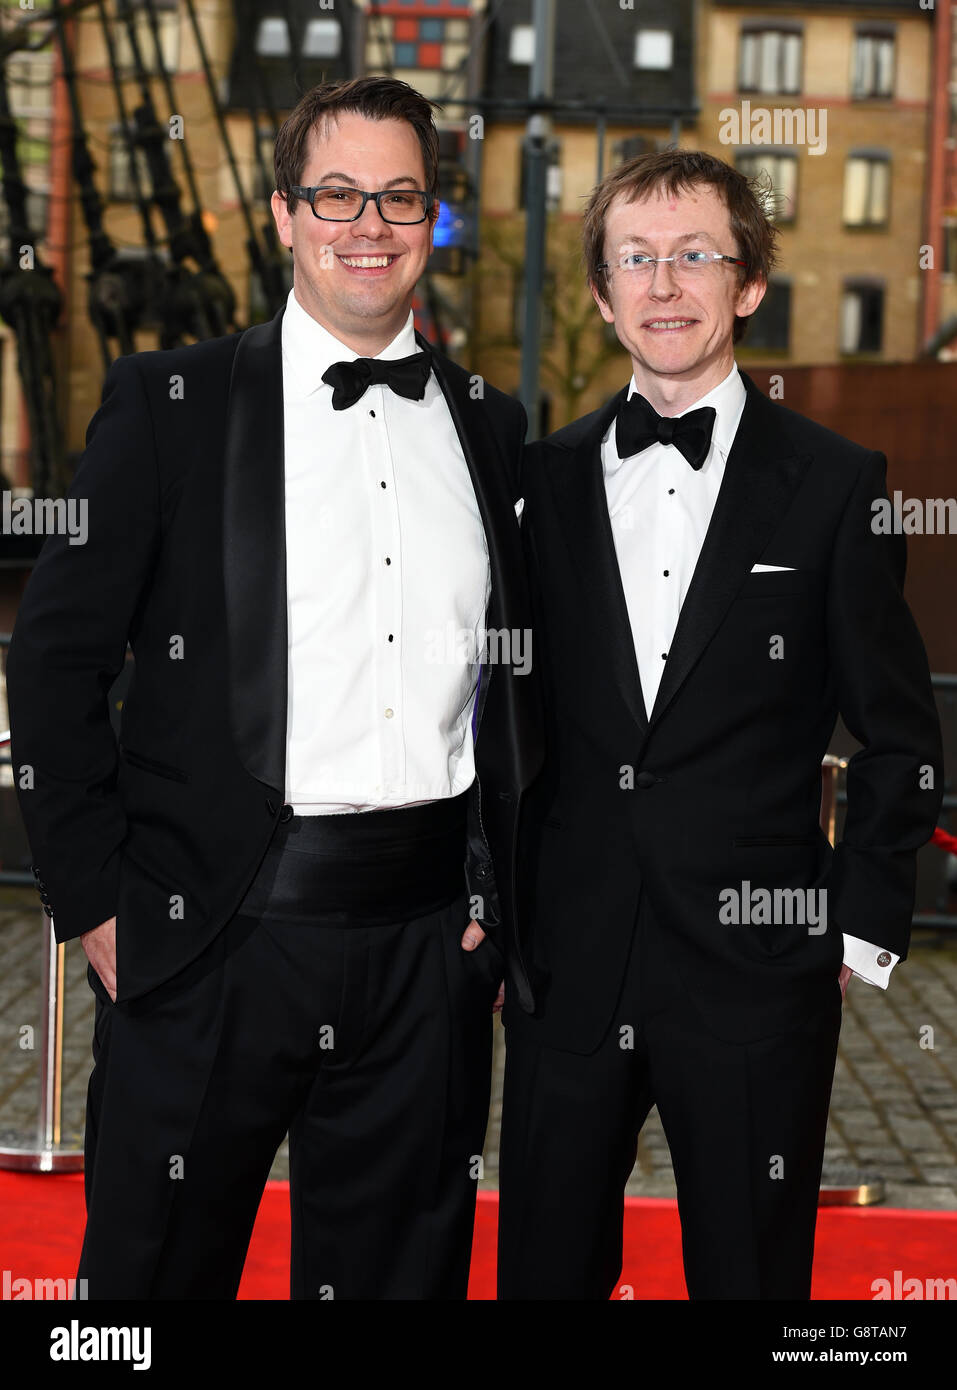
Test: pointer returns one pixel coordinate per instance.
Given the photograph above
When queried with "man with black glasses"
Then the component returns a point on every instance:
(273, 878)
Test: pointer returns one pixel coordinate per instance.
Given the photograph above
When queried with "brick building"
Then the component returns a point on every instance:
(856, 207)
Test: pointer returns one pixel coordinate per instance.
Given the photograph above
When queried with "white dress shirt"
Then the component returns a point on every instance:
(386, 563)
(660, 510)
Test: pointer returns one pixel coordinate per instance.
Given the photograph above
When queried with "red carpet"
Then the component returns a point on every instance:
(41, 1230)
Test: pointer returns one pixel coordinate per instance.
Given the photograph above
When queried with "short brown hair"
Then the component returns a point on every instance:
(376, 98)
(673, 170)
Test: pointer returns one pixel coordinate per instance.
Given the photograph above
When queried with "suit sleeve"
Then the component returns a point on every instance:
(479, 870)
(895, 780)
(68, 646)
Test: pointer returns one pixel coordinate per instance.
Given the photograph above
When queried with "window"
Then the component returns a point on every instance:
(121, 185)
(322, 39)
(949, 233)
(654, 49)
(782, 170)
(872, 62)
(521, 45)
(518, 304)
(630, 148)
(862, 317)
(553, 178)
(867, 184)
(272, 38)
(770, 325)
(770, 59)
(30, 83)
(37, 211)
(167, 24)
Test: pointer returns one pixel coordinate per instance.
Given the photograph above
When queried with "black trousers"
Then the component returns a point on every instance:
(745, 1125)
(371, 1045)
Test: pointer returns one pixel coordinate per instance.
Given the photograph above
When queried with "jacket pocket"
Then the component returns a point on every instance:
(152, 765)
(766, 583)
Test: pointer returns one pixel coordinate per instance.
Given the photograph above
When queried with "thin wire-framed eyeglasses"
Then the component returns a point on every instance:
(405, 206)
(690, 262)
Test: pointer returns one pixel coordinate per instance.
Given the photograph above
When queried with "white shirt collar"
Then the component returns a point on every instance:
(728, 399)
(309, 349)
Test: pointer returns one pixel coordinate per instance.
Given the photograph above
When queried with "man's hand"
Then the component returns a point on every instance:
(472, 938)
(100, 947)
(845, 975)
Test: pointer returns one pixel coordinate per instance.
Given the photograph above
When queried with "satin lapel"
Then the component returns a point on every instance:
(254, 553)
(760, 479)
(477, 441)
(497, 509)
(579, 491)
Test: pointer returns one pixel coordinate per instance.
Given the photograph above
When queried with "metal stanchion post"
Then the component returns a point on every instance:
(47, 1156)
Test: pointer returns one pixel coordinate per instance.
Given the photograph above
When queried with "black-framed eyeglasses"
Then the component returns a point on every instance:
(690, 262)
(333, 204)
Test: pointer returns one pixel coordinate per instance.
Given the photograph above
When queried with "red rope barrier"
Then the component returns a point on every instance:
(945, 841)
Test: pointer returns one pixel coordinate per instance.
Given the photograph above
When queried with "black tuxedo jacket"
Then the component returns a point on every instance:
(183, 475)
(722, 785)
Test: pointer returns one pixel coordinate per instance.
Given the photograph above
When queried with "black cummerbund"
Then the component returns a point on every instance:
(363, 868)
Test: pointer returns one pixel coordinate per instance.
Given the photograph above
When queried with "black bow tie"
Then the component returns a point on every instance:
(639, 425)
(405, 375)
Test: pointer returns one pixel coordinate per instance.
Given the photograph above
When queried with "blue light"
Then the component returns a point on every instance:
(450, 227)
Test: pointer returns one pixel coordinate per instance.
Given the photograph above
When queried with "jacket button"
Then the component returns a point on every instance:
(36, 872)
(48, 910)
(285, 814)
(645, 779)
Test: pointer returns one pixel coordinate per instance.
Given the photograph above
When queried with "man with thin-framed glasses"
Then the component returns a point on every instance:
(280, 882)
(708, 595)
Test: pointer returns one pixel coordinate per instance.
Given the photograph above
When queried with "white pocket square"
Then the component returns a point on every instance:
(770, 569)
(520, 507)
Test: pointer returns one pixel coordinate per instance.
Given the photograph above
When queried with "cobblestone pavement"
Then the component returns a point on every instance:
(893, 1109)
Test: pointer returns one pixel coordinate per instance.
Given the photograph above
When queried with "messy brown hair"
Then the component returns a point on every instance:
(671, 171)
(375, 98)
